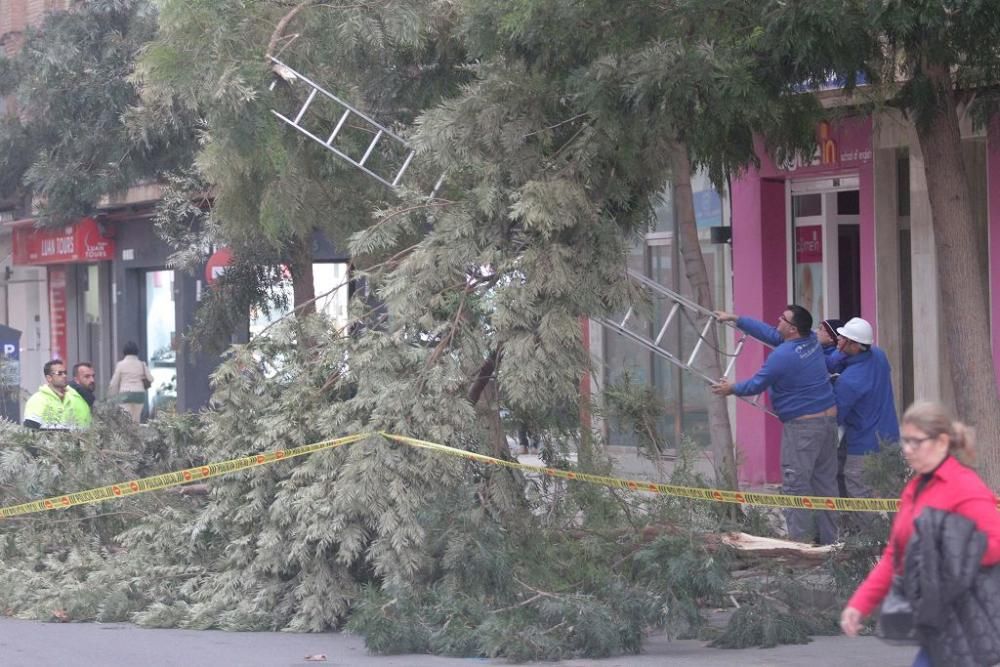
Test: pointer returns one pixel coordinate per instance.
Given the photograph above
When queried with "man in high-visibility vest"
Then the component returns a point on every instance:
(56, 406)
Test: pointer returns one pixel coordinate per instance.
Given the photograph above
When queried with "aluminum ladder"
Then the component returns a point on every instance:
(689, 310)
(391, 174)
(680, 304)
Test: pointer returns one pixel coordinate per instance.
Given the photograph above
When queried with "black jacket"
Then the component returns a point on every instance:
(956, 602)
(87, 394)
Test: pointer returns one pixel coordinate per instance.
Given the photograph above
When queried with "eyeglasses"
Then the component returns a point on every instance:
(58, 373)
(913, 443)
(786, 321)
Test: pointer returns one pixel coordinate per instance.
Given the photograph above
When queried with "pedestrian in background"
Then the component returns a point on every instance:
(130, 382)
(802, 396)
(944, 498)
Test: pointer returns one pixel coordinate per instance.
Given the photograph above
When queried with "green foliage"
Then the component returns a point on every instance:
(639, 408)
(272, 188)
(70, 562)
(531, 590)
(766, 621)
(72, 142)
(553, 122)
(886, 472)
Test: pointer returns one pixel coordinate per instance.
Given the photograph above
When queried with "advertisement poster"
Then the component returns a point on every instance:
(809, 269)
(57, 311)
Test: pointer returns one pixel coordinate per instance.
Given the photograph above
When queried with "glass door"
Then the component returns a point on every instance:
(161, 340)
(825, 247)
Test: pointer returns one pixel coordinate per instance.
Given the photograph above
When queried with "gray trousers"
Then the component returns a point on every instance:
(854, 484)
(854, 467)
(809, 468)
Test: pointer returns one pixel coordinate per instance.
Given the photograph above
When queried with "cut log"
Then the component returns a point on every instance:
(752, 546)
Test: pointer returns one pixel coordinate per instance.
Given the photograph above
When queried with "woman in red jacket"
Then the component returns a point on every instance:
(935, 448)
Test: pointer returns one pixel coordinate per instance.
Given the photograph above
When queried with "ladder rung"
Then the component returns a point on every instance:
(336, 130)
(332, 149)
(666, 323)
(305, 105)
(371, 147)
(437, 186)
(402, 170)
(701, 339)
(664, 354)
(736, 353)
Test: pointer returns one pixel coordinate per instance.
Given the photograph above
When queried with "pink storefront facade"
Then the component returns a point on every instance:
(847, 232)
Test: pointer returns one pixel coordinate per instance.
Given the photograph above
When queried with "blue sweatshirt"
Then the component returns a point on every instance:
(834, 358)
(865, 404)
(795, 372)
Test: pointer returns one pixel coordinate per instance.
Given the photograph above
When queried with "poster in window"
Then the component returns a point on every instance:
(809, 269)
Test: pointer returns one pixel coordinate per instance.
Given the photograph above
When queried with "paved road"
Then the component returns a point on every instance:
(33, 644)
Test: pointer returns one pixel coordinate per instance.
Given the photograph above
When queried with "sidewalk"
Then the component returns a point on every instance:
(35, 644)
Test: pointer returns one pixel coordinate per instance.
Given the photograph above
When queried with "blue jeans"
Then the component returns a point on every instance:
(923, 659)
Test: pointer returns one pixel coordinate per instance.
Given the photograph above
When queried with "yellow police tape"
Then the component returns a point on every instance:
(692, 492)
(209, 470)
(171, 479)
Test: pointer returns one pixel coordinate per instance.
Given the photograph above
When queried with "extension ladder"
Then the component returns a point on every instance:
(703, 321)
(392, 175)
(396, 152)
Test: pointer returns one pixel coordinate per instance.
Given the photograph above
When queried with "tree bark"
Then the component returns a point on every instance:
(489, 411)
(965, 303)
(300, 265)
(484, 374)
(719, 428)
(279, 28)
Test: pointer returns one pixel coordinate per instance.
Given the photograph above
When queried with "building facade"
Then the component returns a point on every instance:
(844, 232)
(81, 291)
(848, 233)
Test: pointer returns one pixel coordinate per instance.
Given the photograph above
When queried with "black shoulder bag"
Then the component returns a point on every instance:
(896, 620)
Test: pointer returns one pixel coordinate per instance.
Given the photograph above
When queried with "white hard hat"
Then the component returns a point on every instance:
(857, 330)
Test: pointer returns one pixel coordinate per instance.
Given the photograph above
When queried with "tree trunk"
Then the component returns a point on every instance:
(488, 408)
(719, 428)
(965, 303)
(300, 265)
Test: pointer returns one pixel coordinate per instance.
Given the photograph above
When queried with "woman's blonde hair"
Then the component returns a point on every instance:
(933, 419)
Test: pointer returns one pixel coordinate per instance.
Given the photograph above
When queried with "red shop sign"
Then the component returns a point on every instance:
(81, 242)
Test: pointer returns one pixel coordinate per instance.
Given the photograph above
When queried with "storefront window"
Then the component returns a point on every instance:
(684, 396)
(161, 340)
(330, 284)
(92, 335)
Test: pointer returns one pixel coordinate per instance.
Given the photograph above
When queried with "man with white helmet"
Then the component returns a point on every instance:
(866, 408)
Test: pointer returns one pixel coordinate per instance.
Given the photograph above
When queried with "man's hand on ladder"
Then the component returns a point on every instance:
(722, 388)
(723, 316)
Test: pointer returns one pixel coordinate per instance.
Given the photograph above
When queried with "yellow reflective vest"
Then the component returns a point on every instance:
(50, 410)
